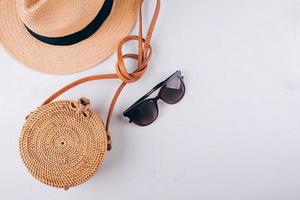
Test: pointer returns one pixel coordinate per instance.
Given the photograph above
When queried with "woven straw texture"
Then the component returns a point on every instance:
(21, 45)
(63, 143)
(56, 18)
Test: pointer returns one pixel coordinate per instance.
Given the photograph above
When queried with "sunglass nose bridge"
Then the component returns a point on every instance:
(156, 98)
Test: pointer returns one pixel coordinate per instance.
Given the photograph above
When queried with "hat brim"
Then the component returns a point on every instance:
(21, 45)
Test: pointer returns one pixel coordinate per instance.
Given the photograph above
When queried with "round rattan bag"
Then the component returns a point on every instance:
(63, 143)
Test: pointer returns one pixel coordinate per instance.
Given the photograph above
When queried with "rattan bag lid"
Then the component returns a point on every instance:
(63, 143)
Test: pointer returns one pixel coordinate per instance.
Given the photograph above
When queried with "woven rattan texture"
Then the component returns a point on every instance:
(63, 143)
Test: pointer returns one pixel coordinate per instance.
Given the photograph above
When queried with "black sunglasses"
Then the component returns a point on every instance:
(145, 111)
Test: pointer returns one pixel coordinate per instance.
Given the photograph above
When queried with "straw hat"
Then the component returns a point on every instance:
(62, 37)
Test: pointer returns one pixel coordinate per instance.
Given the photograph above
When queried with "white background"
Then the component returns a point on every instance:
(234, 136)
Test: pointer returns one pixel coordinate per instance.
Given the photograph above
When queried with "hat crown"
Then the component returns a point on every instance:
(56, 18)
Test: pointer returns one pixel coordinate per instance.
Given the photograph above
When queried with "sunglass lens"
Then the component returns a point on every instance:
(144, 113)
(173, 91)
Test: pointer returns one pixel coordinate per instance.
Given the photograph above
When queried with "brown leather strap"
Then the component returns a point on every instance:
(143, 58)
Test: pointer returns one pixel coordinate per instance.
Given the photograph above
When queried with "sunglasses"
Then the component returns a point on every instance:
(145, 111)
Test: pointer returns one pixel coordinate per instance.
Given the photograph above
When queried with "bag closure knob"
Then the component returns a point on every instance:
(82, 106)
